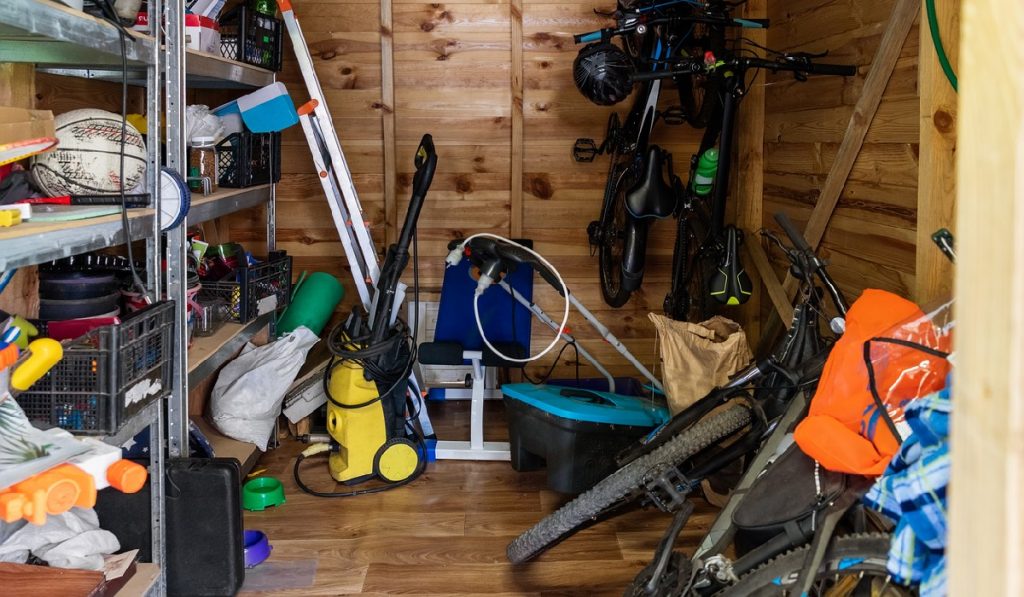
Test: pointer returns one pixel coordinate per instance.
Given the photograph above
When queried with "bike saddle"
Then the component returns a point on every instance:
(731, 285)
(651, 196)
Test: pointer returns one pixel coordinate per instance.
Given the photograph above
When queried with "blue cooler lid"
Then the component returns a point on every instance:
(588, 405)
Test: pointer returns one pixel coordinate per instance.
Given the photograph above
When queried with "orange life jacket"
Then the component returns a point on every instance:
(844, 429)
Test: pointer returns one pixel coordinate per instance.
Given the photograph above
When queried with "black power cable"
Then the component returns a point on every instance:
(111, 16)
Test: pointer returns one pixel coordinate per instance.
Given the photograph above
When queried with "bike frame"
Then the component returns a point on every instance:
(642, 118)
(707, 215)
(802, 353)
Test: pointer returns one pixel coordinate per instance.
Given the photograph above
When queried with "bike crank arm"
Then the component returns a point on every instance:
(663, 555)
(722, 531)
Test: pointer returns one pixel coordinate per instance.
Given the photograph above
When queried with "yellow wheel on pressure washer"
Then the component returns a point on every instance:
(396, 460)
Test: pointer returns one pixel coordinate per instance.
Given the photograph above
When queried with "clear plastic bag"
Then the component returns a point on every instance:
(908, 362)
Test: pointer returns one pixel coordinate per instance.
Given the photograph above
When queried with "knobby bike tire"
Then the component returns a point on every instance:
(621, 485)
(688, 298)
(849, 555)
(613, 290)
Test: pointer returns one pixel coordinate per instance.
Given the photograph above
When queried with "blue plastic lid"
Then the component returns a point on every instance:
(588, 405)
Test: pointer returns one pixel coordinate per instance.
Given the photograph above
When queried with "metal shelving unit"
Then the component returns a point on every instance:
(189, 69)
(30, 243)
(60, 40)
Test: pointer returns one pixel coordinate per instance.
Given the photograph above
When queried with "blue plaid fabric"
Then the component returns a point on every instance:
(912, 491)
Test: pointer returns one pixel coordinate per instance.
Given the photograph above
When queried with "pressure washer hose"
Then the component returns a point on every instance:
(457, 252)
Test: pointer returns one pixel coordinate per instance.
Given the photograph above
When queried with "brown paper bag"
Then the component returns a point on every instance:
(697, 357)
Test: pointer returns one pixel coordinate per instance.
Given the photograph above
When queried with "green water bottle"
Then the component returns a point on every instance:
(704, 177)
(266, 7)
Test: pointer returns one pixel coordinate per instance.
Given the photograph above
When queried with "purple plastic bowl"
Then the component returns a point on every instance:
(257, 548)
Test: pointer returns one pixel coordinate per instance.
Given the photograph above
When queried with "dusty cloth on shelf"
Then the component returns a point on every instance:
(73, 539)
(699, 356)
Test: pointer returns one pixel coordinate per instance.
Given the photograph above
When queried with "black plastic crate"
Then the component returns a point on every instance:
(107, 375)
(250, 37)
(246, 159)
(255, 290)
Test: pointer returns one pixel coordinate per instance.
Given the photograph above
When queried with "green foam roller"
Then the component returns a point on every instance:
(312, 304)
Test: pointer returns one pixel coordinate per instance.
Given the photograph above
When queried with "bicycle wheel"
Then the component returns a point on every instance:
(688, 298)
(854, 565)
(623, 485)
(699, 93)
(609, 233)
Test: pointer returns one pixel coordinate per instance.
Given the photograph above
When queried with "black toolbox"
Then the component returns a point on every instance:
(205, 552)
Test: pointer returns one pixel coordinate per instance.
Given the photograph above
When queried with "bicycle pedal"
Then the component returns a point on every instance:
(594, 236)
(668, 489)
(673, 116)
(585, 150)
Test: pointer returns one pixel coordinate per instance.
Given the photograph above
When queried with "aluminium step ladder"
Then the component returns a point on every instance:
(339, 188)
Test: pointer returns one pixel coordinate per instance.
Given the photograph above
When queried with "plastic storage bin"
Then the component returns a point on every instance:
(246, 159)
(250, 37)
(268, 109)
(107, 375)
(575, 432)
(256, 290)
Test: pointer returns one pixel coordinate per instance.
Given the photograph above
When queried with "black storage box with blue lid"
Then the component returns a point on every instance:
(576, 433)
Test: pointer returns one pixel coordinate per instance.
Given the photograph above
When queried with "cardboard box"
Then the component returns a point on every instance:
(18, 124)
(202, 34)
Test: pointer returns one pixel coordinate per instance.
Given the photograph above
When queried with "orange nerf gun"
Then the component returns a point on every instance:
(74, 483)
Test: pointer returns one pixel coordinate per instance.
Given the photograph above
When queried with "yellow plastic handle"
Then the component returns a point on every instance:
(44, 353)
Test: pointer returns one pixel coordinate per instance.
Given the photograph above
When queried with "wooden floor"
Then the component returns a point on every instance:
(444, 534)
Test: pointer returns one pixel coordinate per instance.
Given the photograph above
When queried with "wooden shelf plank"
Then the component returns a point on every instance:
(225, 447)
(207, 354)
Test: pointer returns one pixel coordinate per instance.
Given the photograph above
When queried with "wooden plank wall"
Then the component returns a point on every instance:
(453, 77)
(871, 237)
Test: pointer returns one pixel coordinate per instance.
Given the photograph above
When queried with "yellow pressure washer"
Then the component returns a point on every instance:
(366, 381)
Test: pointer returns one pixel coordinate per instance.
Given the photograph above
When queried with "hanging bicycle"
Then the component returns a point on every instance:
(706, 265)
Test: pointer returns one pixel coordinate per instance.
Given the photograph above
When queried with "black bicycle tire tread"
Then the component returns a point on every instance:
(790, 561)
(621, 297)
(619, 484)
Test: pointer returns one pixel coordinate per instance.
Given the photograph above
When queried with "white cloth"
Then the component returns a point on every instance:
(73, 539)
(247, 397)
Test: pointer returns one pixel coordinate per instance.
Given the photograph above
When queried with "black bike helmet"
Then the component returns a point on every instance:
(601, 72)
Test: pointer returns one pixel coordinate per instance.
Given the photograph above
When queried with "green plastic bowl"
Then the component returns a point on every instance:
(262, 492)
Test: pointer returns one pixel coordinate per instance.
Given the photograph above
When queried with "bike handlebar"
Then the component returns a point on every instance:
(796, 65)
(635, 21)
(794, 235)
(816, 263)
(586, 38)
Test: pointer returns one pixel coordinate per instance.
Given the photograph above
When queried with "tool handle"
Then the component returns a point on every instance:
(426, 163)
